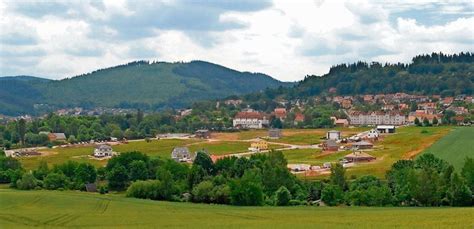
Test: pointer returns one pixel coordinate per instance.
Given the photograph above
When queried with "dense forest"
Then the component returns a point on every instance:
(146, 85)
(435, 74)
(261, 179)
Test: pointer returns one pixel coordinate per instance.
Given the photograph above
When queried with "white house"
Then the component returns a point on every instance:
(386, 128)
(103, 150)
(373, 133)
(181, 154)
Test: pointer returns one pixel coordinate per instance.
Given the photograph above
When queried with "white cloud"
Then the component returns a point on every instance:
(285, 39)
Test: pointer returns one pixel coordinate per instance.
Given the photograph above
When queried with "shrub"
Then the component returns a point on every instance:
(297, 202)
(332, 195)
(27, 182)
(247, 191)
(55, 181)
(221, 194)
(148, 189)
(202, 192)
(283, 196)
(103, 189)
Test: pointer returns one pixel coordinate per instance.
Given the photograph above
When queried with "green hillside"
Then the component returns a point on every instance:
(53, 209)
(135, 85)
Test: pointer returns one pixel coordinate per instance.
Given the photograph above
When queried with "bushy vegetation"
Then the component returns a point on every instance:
(261, 179)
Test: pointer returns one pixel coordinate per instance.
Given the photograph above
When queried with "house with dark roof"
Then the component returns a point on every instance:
(330, 145)
(103, 150)
(205, 134)
(274, 133)
(359, 157)
(362, 145)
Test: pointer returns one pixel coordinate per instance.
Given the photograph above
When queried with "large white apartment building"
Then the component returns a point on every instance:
(377, 118)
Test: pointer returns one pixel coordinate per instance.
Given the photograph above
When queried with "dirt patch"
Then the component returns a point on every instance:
(424, 145)
(47, 153)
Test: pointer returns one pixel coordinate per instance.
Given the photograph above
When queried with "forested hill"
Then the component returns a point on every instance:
(134, 85)
(427, 74)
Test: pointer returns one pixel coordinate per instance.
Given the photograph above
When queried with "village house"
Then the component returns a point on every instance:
(388, 107)
(362, 145)
(458, 110)
(386, 129)
(333, 135)
(403, 106)
(250, 120)
(56, 137)
(234, 102)
(299, 117)
(341, 122)
(368, 98)
(376, 118)
(274, 133)
(280, 113)
(346, 103)
(373, 134)
(330, 145)
(185, 112)
(447, 101)
(359, 157)
(423, 115)
(204, 134)
(181, 154)
(103, 150)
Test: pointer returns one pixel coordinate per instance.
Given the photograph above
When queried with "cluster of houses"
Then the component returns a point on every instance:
(394, 110)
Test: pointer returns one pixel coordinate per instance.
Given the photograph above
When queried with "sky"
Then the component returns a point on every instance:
(286, 39)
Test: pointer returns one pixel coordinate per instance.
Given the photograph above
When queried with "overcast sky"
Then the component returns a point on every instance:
(286, 39)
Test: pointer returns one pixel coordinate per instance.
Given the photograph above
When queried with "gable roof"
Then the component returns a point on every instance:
(180, 151)
(249, 115)
(59, 135)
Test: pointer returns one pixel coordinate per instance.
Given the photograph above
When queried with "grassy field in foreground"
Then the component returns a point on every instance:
(455, 146)
(51, 209)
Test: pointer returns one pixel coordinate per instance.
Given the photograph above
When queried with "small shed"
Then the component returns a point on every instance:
(274, 133)
(205, 134)
(333, 135)
(341, 122)
(91, 187)
(386, 128)
(330, 145)
(359, 157)
(362, 145)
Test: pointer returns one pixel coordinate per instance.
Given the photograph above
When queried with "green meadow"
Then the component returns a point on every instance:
(455, 146)
(56, 209)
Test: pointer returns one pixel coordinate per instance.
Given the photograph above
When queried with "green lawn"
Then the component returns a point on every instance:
(406, 143)
(161, 148)
(54, 209)
(455, 146)
(221, 147)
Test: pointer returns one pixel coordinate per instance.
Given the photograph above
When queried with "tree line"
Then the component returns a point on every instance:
(261, 179)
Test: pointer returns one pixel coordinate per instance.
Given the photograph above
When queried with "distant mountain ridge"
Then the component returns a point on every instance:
(138, 84)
